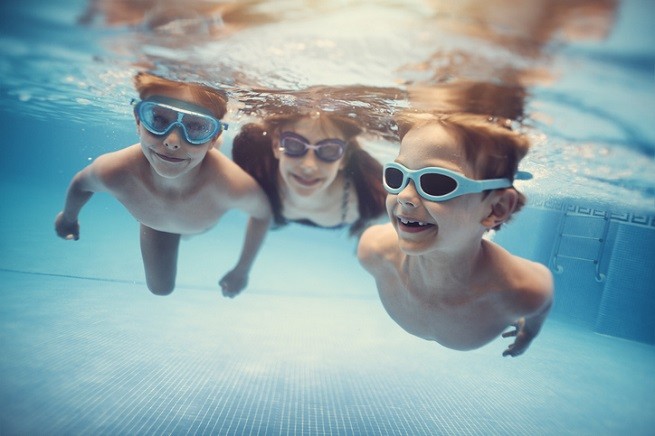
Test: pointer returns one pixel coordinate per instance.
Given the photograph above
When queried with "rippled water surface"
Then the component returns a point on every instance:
(578, 76)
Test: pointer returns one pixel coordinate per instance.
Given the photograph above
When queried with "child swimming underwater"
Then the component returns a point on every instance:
(437, 277)
(174, 182)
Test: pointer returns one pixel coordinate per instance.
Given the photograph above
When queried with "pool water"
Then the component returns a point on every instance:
(308, 348)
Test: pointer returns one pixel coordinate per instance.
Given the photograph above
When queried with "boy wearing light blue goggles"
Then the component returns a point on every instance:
(173, 186)
(159, 115)
(437, 274)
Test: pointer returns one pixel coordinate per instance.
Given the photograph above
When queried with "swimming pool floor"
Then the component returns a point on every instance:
(95, 357)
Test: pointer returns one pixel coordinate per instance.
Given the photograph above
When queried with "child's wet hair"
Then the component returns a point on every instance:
(213, 99)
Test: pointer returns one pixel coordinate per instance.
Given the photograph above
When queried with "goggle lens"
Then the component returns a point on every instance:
(294, 147)
(198, 128)
(157, 118)
(437, 184)
(393, 178)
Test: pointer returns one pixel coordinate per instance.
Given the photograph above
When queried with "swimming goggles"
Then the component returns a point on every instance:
(440, 184)
(159, 115)
(327, 150)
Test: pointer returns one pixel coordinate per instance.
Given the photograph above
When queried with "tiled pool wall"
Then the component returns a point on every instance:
(602, 258)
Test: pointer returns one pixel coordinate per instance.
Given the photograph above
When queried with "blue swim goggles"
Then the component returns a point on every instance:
(440, 184)
(159, 115)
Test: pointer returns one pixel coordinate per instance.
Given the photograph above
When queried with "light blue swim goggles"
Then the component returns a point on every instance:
(159, 115)
(440, 184)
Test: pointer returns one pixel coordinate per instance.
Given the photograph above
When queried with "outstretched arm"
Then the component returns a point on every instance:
(82, 187)
(528, 327)
(260, 217)
(236, 280)
(525, 330)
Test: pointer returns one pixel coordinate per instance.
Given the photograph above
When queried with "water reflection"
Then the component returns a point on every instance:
(482, 98)
(175, 18)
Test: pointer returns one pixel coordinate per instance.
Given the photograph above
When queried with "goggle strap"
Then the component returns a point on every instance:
(523, 175)
(485, 185)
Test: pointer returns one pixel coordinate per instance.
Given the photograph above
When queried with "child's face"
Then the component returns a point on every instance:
(170, 155)
(424, 225)
(308, 174)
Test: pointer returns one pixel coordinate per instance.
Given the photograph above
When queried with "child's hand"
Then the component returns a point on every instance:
(233, 283)
(522, 341)
(66, 229)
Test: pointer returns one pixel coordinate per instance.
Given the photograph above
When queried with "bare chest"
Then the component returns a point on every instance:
(457, 323)
(183, 214)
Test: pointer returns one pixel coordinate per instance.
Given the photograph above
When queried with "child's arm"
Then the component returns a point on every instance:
(258, 207)
(81, 189)
(528, 327)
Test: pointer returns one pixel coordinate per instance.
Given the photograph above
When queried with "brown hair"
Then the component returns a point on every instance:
(213, 99)
(490, 145)
(252, 150)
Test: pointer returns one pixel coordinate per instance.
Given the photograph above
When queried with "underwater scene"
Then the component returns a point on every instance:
(339, 217)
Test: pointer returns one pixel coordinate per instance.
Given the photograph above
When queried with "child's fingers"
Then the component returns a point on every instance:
(225, 289)
(512, 332)
(229, 294)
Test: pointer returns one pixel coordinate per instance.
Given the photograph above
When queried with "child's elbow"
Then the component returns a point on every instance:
(537, 292)
(542, 298)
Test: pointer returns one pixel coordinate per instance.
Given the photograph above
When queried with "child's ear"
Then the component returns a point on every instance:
(502, 204)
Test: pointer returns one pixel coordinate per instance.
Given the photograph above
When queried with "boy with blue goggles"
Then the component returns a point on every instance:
(174, 186)
(160, 115)
(437, 275)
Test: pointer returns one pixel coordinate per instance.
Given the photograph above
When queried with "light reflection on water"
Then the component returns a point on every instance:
(578, 75)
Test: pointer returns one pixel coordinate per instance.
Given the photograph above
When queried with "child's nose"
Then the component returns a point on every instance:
(174, 138)
(309, 161)
(408, 197)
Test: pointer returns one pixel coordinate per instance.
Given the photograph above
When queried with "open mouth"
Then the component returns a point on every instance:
(169, 158)
(413, 226)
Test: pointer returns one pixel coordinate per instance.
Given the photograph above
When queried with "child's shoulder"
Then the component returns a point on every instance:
(377, 244)
(221, 167)
(227, 176)
(535, 288)
(118, 163)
